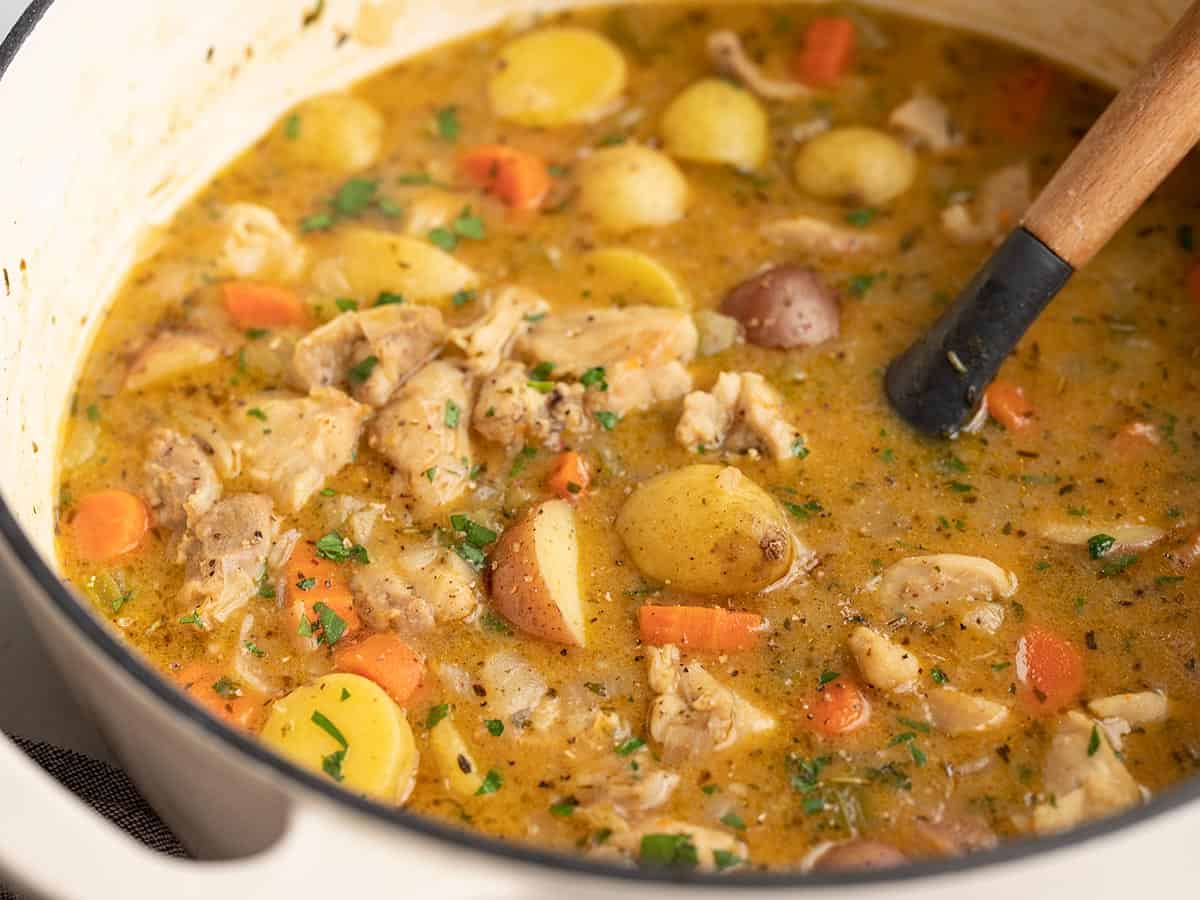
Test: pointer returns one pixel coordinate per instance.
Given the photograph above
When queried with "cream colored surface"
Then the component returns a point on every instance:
(99, 144)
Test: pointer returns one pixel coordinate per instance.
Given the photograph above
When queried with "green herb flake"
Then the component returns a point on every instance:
(120, 600)
(593, 379)
(542, 371)
(226, 687)
(710, 789)
(542, 387)
(630, 746)
(322, 221)
(322, 721)
(414, 178)
(1000, 666)
(333, 626)
(255, 413)
(522, 460)
(799, 450)
(92, 412)
(192, 618)
(291, 127)
(862, 217)
(471, 554)
(353, 197)
(827, 677)
(452, 414)
(387, 298)
(346, 304)
(254, 650)
(725, 859)
(476, 535)
(917, 754)
(608, 420)
(463, 297)
(306, 584)
(345, 695)
(446, 123)
(733, 820)
(938, 676)
(492, 782)
(1099, 544)
(1117, 565)
(436, 714)
(671, 850)
(494, 727)
(331, 764)
(960, 487)
(564, 809)
(1166, 580)
(1093, 746)
(361, 371)
(494, 623)
(859, 284)
(469, 226)
(914, 724)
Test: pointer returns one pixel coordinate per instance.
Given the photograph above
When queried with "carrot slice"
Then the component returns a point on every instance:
(253, 305)
(312, 579)
(108, 523)
(385, 660)
(838, 707)
(1020, 98)
(1006, 404)
(518, 178)
(569, 478)
(826, 51)
(1049, 671)
(699, 627)
(220, 695)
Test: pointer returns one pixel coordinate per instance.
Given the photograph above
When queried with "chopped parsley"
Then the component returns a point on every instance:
(333, 626)
(322, 721)
(799, 450)
(414, 178)
(476, 535)
(542, 387)
(608, 420)
(331, 764)
(436, 714)
(522, 460)
(803, 511)
(316, 222)
(673, 850)
(226, 687)
(859, 284)
(446, 123)
(593, 379)
(471, 554)
(938, 676)
(495, 727)
(960, 487)
(1099, 544)
(192, 618)
(463, 297)
(469, 226)
(725, 859)
(254, 650)
(353, 197)
(1094, 741)
(494, 623)
(255, 413)
(345, 695)
(291, 127)
(630, 746)
(361, 371)
(1117, 565)
(430, 474)
(332, 546)
(828, 676)
(492, 782)
(306, 584)
(443, 239)
(345, 304)
(733, 820)
(452, 414)
(386, 298)
(564, 809)
(120, 600)
(914, 724)
(917, 754)
(304, 629)
(92, 412)
(542, 371)
(862, 217)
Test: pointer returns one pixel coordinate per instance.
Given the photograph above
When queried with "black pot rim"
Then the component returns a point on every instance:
(122, 656)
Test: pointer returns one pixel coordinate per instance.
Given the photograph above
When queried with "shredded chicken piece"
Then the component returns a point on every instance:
(647, 336)
(510, 412)
(514, 687)
(169, 355)
(488, 340)
(258, 245)
(371, 352)
(1141, 708)
(1001, 202)
(693, 712)
(291, 444)
(928, 589)
(813, 236)
(181, 484)
(1084, 776)
(432, 459)
(884, 664)
(925, 118)
(354, 516)
(225, 555)
(632, 388)
(741, 412)
(956, 712)
(730, 58)
(612, 788)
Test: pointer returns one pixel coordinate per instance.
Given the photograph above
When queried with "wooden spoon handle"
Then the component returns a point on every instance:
(1143, 134)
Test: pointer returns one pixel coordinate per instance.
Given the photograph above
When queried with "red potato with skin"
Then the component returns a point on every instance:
(784, 307)
(535, 575)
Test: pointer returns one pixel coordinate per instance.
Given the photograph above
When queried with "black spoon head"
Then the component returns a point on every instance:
(937, 383)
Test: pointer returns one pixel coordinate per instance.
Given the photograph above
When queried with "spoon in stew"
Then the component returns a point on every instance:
(937, 384)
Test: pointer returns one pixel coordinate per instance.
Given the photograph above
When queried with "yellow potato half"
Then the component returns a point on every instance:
(366, 262)
(634, 277)
(379, 755)
(557, 76)
(334, 131)
(714, 121)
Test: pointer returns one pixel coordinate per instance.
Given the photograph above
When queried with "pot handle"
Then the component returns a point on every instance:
(55, 847)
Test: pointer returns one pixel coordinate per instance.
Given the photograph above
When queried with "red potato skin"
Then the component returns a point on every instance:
(859, 854)
(785, 307)
(517, 590)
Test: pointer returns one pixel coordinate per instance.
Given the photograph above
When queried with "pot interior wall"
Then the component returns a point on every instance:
(110, 122)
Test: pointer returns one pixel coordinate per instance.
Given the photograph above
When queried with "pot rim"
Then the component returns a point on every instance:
(118, 653)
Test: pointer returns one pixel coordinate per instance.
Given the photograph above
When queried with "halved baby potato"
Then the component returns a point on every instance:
(714, 121)
(535, 574)
(856, 163)
(557, 76)
(168, 356)
(634, 277)
(629, 187)
(350, 729)
(334, 131)
(706, 529)
(366, 262)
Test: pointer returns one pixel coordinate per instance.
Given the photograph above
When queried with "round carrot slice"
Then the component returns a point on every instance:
(386, 660)
(838, 708)
(108, 524)
(220, 695)
(1049, 671)
(253, 305)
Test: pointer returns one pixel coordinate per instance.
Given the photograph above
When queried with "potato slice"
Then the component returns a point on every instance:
(714, 121)
(454, 759)
(1126, 536)
(335, 131)
(557, 76)
(535, 575)
(634, 277)
(169, 355)
(1141, 708)
(707, 529)
(378, 756)
(366, 262)
(860, 164)
(884, 664)
(629, 187)
(956, 713)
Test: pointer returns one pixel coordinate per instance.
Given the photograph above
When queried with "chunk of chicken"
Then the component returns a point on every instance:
(645, 336)
(1142, 708)
(930, 589)
(925, 118)
(181, 484)
(257, 245)
(632, 388)
(813, 236)
(354, 516)
(1001, 201)
(955, 712)
(509, 412)
(884, 664)
(514, 687)
(386, 600)
(225, 555)
(432, 458)
(1084, 776)
(488, 340)
(730, 58)
(291, 444)
(693, 712)
(612, 787)
(169, 355)
(742, 412)
(398, 338)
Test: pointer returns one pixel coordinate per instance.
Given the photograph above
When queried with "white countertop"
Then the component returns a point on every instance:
(41, 708)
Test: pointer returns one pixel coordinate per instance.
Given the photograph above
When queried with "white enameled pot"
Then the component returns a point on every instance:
(111, 115)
